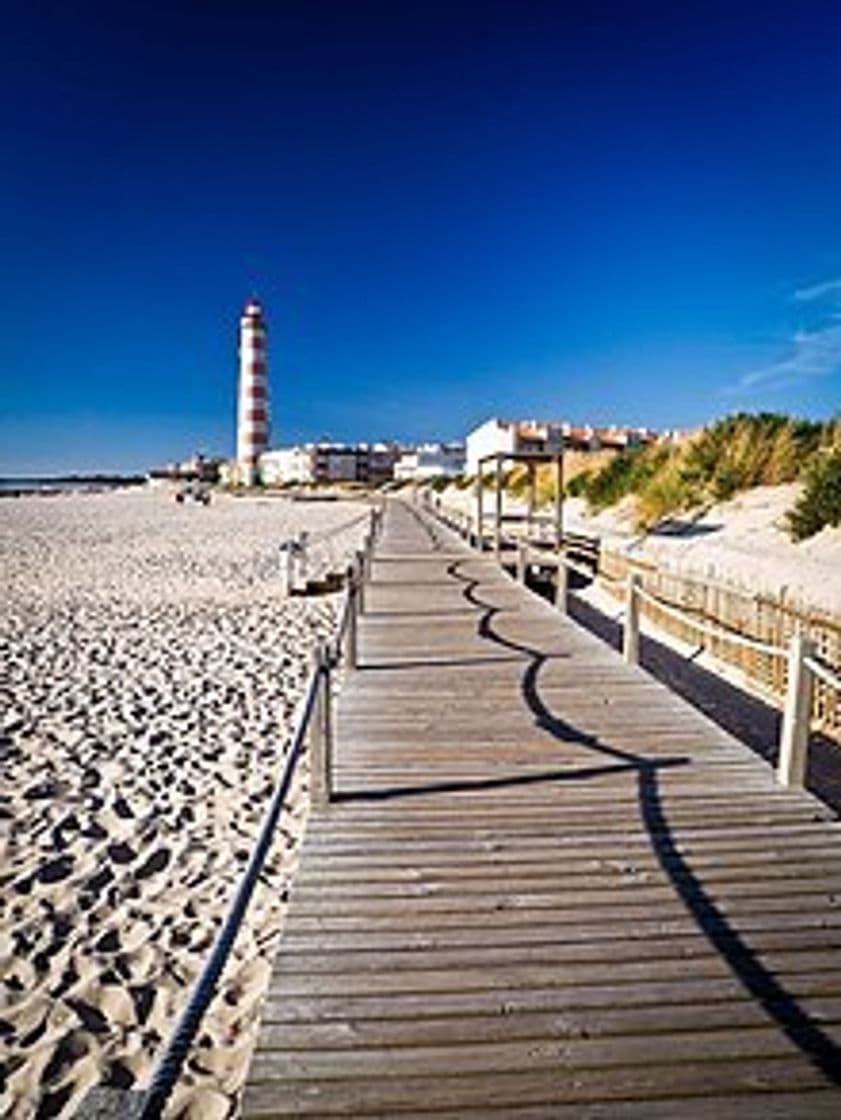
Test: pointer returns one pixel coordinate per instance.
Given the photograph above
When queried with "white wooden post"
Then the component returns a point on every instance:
(303, 560)
(559, 500)
(631, 630)
(369, 547)
(360, 581)
(480, 512)
(287, 567)
(321, 732)
(561, 582)
(794, 737)
(498, 511)
(522, 561)
(532, 495)
(352, 636)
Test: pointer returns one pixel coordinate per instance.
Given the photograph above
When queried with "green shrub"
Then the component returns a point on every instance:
(820, 503)
(624, 474)
(439, 482)
(577, 487)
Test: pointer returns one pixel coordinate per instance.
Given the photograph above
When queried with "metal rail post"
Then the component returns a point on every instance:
(794, 736)
(631, 629)
(321, 732)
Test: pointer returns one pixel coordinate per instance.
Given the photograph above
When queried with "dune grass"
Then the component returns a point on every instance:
(820, 503)
(729, 456)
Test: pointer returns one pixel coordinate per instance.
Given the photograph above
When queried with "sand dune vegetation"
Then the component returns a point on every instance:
(732, 455)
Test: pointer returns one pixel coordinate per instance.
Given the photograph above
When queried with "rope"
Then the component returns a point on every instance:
(824, 672)
(168, 1067)
(712, 631)
(321, 535)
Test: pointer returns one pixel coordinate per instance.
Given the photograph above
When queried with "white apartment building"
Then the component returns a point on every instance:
(286, 464)
(511, 437)
(328, 462)
(430, 460)
(547, 436)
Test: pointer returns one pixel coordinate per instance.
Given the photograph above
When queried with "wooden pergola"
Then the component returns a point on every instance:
(532, 459)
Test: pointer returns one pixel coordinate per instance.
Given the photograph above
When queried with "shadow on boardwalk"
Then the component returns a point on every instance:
(745, 965)
(746, 717)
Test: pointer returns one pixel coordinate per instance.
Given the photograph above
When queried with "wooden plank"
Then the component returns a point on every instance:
(550, 887)
(358, 1033)
(389, 1096)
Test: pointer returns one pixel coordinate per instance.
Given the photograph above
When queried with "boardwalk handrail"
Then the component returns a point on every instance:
(825, 672)
(717, 632)
(298, 550)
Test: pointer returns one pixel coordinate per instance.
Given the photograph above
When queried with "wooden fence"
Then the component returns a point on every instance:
(761, 617)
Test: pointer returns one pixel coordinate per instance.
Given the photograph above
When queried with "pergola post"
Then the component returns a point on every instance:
(532, 469)
(559, 501)
(480, 513)
(498, 511)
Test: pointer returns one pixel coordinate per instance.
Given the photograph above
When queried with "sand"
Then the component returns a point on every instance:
(153, 668)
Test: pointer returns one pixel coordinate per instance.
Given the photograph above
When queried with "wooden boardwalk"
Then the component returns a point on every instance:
(549, 887)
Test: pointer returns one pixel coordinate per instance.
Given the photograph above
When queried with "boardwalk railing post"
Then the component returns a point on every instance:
(522, 561)
(631, 630)
(794, 736)
(360, 582)
(302, 556)
(561, 584)
(352, 636)
(287, 567)
(369, 555)
(320, 732)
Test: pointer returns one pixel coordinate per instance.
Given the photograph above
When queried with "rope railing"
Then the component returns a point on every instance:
(824, 672)
(314, 554)
(312, 725)
(718, 633)
(169, 1064)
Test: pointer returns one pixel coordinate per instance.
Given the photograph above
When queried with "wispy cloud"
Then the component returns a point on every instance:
(818, 291)
(813, 353)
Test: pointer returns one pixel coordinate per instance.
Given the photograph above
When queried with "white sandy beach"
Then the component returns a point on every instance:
(153, 667)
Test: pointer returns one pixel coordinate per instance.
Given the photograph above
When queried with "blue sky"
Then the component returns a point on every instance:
(606, 212)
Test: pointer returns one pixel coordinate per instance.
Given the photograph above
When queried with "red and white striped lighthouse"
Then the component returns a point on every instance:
(253, 407)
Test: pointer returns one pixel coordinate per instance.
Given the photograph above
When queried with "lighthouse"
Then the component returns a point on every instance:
(253, 404)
